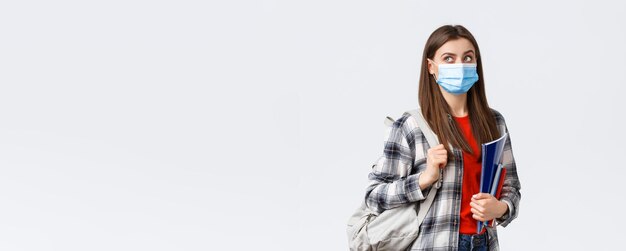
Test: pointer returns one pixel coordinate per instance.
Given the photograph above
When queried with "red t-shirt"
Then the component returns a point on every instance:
(472, 165)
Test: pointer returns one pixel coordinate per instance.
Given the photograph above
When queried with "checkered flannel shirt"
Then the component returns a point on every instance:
(394, 182)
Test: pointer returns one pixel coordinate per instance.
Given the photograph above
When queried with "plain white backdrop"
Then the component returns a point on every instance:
(252, 125)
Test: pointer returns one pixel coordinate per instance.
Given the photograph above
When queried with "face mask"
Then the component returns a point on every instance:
(457, 78)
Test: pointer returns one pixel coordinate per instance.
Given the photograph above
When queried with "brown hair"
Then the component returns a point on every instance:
(435, 108)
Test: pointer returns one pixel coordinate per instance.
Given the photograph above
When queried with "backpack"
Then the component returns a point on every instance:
(396, 228)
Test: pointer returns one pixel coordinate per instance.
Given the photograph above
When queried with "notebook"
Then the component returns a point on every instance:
(492, 172)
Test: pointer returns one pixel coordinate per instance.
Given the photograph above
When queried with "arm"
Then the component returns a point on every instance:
(391, 182)
(511, 188)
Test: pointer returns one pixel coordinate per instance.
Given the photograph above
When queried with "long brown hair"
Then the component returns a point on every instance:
(435, 108)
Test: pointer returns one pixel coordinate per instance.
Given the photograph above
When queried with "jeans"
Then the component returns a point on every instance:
(473, 242)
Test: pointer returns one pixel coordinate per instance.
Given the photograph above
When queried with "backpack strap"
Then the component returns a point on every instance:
(432, 140)
(430, 136)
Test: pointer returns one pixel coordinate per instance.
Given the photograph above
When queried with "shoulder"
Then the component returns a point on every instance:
(407, 122)
(405, 125)
(500, 122)
(498, 116)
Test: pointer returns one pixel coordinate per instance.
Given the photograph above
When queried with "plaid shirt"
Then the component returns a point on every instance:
(394, 182)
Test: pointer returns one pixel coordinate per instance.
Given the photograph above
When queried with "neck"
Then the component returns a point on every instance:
(457, 103)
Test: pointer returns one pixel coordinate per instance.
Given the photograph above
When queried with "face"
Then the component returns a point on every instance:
(458, 51)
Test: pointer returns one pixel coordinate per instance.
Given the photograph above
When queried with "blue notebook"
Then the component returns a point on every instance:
(491, 169)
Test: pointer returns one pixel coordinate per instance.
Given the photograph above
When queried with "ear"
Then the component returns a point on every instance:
(432, 68)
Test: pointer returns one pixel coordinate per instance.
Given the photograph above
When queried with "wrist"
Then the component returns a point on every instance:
(504, 209)
(426, 180)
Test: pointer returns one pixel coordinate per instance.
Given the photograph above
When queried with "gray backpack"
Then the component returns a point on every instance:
(397, 228)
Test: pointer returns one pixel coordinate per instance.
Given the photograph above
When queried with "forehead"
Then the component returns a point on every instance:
(456, 46)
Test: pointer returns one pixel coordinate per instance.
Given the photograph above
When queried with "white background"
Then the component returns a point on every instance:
(251, 125)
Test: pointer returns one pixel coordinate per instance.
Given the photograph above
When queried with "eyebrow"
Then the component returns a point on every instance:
(449, 53)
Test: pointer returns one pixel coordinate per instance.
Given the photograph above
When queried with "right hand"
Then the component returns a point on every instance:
(436, 158)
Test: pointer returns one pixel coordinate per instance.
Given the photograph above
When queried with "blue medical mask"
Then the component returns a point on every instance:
(456, 78)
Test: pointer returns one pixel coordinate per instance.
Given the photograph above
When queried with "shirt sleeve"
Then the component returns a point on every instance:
(511, 188)
(391, 182)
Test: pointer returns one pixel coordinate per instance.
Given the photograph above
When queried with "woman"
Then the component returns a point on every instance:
(453, 101)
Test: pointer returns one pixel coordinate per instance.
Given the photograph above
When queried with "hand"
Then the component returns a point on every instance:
(485, 207)
(436, 158)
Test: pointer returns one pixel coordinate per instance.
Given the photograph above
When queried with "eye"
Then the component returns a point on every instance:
(468, 59)
(448, 59)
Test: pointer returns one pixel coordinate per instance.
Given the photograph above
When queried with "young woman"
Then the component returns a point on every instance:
(453, 101)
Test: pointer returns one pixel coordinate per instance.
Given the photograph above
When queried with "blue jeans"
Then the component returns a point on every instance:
(473, 242)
